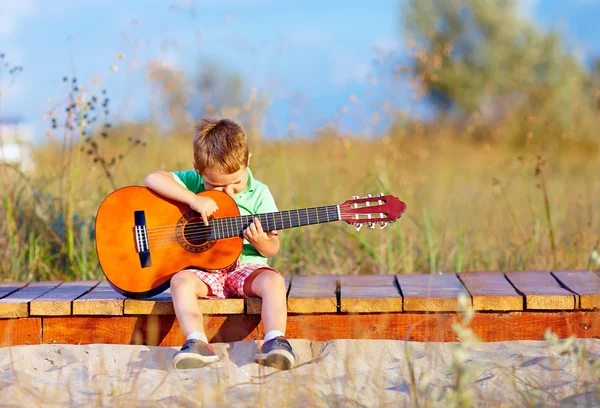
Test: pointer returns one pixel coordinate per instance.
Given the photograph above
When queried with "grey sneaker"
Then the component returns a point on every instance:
(193, 354)
(276, 353)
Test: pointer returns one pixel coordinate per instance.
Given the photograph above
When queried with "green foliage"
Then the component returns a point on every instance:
(479, 59)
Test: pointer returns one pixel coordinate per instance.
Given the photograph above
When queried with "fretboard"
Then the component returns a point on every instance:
(234, 226)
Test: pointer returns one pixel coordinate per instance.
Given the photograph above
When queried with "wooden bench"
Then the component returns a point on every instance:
(507, 306)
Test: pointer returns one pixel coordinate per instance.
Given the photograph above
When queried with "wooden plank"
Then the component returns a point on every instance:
(164, 330)
(102, 300)
(57, 302)
(585, 284)
(9, 287)
(313, 294)
(153, 330)
(491, 291)
(17, 303)
(20, 331)
(254, 305)
(431, 292)
(162, 304)
(369, 293)
(541, 290)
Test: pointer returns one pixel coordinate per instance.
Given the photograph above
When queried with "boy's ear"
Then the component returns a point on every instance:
(195, 167)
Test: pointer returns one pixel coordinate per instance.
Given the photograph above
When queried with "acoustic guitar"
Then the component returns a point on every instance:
(143, 239)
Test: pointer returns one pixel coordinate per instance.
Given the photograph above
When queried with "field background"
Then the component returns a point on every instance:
(500, 173)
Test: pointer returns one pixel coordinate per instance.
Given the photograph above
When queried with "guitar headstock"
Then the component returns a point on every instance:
(370, 210)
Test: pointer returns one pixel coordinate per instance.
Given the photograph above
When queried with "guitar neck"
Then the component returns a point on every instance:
(275, 221)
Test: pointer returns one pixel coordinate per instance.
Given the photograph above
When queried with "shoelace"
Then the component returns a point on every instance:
(283, 342)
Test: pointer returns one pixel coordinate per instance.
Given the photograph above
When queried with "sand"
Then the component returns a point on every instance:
(334, 373)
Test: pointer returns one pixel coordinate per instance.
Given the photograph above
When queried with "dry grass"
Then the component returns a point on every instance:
(470, 206)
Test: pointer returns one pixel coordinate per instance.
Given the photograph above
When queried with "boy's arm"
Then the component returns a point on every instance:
(164, 184)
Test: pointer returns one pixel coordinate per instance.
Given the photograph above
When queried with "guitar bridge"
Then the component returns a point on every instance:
(141, 239)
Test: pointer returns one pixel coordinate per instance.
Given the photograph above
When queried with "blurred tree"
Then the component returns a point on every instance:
(212, 92)
(173, 95)
(216, 88)
(480, 58)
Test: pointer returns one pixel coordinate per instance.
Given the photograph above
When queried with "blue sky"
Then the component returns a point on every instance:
(309, 56)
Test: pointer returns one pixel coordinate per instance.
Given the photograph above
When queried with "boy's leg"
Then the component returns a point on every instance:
(186, 287)
(269, 285)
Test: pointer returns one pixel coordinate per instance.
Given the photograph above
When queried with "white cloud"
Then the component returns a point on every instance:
(12, 12)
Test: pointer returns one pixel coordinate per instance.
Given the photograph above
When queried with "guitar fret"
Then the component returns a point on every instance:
(274, 221)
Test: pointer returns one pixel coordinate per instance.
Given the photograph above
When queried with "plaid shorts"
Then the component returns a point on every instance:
(228, 282)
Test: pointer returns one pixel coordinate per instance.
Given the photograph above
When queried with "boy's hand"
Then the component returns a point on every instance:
(260, 239)
(205, 206)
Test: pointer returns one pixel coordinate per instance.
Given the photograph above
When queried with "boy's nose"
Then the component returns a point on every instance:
(229, 191)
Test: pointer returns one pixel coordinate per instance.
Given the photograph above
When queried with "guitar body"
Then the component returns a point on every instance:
(143, 239)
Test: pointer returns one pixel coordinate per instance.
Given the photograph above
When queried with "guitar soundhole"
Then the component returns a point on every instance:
(193, 235)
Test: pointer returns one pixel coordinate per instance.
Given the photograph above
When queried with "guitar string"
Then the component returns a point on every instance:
(233, 221)
(195, 228)
(280, 214)
(203, 234)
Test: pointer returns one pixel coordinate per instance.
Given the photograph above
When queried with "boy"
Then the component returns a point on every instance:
(221, 160)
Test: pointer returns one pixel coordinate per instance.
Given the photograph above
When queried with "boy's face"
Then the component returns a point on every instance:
(228, 183)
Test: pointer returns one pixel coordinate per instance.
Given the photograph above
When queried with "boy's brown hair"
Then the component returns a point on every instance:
(220, 145)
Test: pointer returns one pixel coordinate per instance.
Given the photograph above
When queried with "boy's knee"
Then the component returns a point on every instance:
(273, 280)
(181, 279)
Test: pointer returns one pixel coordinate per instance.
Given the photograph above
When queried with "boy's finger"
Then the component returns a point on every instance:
(258, 225)
(204, 218)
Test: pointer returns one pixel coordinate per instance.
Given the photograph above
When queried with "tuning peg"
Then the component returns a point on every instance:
(355, 197)
(380, 194)
(368, 196)
(383, 225)
(358, 226)
(371, 225)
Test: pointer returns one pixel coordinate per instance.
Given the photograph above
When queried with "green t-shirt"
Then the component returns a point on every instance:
(255, 199)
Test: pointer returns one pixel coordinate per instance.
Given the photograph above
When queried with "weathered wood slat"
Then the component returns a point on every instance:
(162, 304)
(491, 291)
(413, 326)
(313, 294)
(58, 301)
(369, 294)
(541, 290)
(254, 305)
(10, 287)
(17, 303)
(20, 331)
(431, 292)
(586, 284)
(102, 300)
